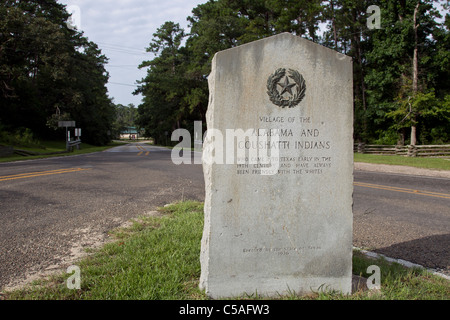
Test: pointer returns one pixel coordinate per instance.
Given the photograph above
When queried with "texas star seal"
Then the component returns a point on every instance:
(290, 94)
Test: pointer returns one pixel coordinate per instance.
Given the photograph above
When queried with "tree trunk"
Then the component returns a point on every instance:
(333, 20)
(401, 137)
(359, 85)
(413, 135)
(415, 77)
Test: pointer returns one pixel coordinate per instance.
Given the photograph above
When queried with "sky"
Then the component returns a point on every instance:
(123, 29)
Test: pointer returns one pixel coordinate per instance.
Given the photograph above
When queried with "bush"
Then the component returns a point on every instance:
(22, 137)
(387, 137)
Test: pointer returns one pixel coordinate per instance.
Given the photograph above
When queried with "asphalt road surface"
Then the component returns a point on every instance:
(403, 216)
(52, 209)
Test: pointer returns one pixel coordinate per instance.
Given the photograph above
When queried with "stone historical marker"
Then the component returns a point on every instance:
(278, 164)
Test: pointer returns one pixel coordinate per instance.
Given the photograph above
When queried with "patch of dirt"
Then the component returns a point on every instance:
(86, 240)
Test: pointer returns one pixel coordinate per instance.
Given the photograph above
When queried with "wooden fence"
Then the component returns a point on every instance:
(409, 151)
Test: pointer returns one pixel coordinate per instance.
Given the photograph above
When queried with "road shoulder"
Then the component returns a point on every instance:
(361, 166)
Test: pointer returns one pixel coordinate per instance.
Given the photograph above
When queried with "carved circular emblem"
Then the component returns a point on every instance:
(284, 93)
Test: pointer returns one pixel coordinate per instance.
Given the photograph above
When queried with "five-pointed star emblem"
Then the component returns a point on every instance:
(286, 86)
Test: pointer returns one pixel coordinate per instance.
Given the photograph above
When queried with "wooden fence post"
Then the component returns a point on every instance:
(361, 147)
(412, 151)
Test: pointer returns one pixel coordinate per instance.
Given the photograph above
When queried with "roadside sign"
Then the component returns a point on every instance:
(67, 124)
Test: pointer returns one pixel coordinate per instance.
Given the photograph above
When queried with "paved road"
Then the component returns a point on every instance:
(53, 208)
(403, 216)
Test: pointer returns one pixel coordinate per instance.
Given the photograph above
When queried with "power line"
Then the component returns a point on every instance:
(124, 84)
(135, 53)
(122, 65)
(128, 67)
(122, 47)
(103, 46)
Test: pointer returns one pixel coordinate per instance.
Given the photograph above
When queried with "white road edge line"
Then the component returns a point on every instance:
(404, 263)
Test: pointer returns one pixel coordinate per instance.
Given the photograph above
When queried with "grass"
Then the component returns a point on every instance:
(46, 149)
(419, 162)
(157, 258)
(399, 282)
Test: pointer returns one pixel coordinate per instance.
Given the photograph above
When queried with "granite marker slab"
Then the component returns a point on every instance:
(278, 206)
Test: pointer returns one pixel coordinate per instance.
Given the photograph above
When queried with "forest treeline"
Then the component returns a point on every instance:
(401, 69)
(49, 72)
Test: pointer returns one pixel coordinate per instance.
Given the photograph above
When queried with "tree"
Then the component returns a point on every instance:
(301, 18)
(347, 33)
(48, 71)
(165, 85)
(401, 71)
(398, 66)
(92, 108)
(32, 53)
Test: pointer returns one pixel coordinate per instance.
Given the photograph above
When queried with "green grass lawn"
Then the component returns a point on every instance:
(48, 147)
(158, 258)
(426, 163)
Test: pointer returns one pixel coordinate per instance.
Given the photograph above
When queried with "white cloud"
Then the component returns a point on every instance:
(123, 29)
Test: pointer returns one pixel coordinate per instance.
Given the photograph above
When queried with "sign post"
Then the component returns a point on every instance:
(67, 124)
(78, 135)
